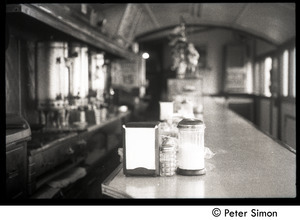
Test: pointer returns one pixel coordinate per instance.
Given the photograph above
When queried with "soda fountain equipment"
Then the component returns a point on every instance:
(52, 83)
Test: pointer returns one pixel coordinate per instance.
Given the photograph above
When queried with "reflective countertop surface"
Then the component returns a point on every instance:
(246, 164)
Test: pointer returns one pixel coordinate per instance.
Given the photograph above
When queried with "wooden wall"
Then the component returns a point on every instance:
(13, 76)
(277, 120)
(20, 76)
(288, 123)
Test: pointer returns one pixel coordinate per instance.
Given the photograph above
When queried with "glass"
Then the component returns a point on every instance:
(285, 73)
(168, 163)
(267, 74)
(191, 147)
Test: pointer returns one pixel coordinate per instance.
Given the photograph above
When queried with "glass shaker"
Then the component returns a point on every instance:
(191, 147)
(167, 159)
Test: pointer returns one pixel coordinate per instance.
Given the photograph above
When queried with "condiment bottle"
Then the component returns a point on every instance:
(168, 161)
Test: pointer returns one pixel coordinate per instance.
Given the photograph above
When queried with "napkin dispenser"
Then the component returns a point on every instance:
(141, 149)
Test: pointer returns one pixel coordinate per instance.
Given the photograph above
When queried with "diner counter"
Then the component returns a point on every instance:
(246, 164)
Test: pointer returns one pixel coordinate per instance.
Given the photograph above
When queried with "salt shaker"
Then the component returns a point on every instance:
(168, 161)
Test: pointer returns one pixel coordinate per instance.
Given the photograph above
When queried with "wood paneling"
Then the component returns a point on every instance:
(264, 115)
(12, 76)
(28, 85)
(283, 124)
(288, 124)
(16, 173)
(290, 131)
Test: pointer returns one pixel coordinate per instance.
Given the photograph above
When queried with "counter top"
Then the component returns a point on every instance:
(15, 135)
(17, 129)
(109, 120)
(50, 137)
(247, 164)
(85, 126)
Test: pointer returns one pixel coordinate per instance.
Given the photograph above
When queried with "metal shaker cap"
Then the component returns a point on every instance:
(190, 123)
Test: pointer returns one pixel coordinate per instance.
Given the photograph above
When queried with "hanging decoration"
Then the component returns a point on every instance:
(184, 55)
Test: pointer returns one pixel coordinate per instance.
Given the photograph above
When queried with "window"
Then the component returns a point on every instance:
(256, 79)
(249, 78)
(261, 77)
(285, 73)
(274, 76)
(267, 76)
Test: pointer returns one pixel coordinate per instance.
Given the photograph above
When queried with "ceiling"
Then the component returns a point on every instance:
(273, 22)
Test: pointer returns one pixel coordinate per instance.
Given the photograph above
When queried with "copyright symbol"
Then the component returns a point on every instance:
(216, 212)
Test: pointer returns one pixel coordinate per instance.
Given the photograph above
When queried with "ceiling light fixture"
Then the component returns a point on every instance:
(145, 55)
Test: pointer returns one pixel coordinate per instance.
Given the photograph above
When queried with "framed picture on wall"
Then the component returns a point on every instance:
(235, 80)
(129, 74)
